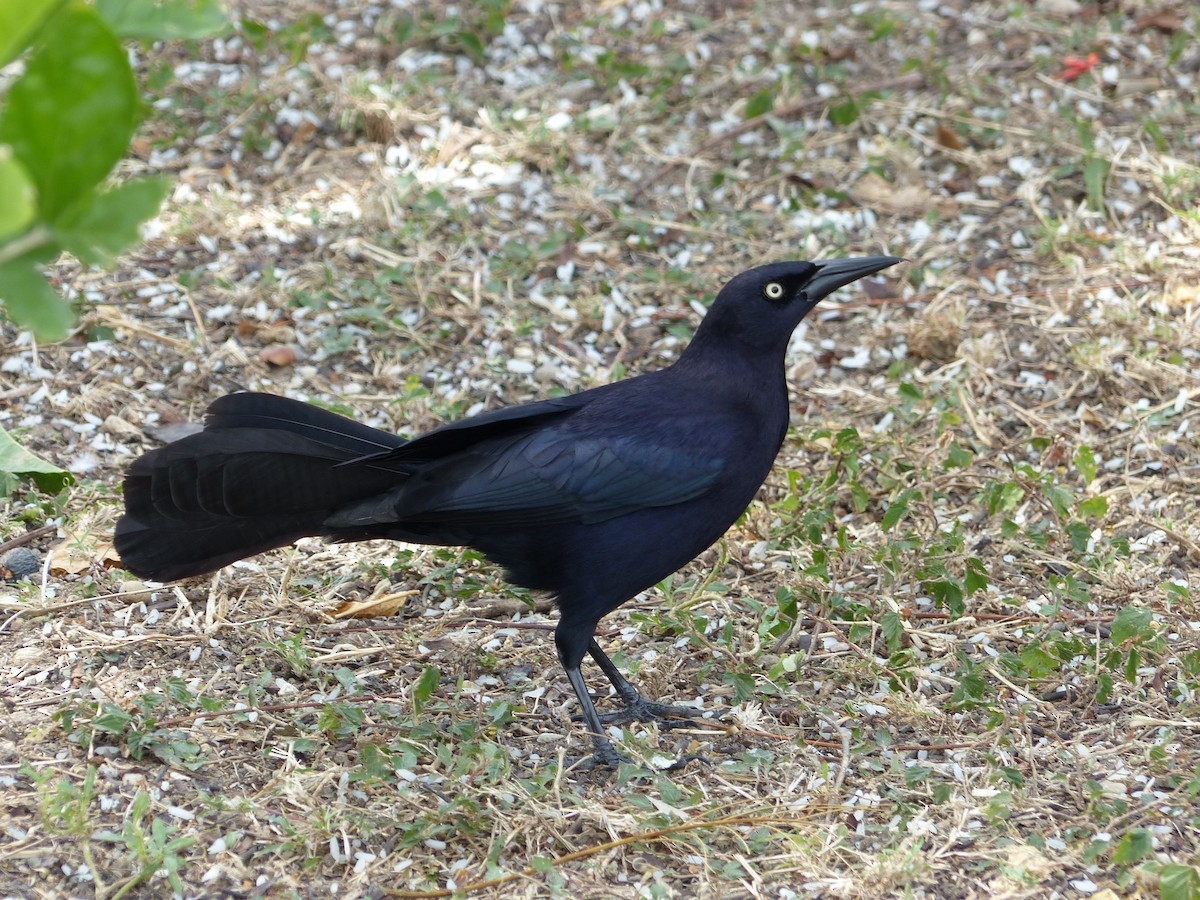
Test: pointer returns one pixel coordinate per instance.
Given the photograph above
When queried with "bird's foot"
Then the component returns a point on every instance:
(604, 756)
(639, 709)
(607, 756)
(684, 760)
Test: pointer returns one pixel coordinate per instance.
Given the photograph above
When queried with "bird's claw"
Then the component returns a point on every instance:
(608, 757)
(603, 756)
(643, 710)
(684, 760)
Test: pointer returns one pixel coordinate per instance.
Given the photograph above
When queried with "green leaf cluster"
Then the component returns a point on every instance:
(65, 123)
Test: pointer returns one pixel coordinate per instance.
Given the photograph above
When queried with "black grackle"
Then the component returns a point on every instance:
(593, 497)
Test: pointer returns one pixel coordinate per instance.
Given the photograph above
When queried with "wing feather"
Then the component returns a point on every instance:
(550, 475)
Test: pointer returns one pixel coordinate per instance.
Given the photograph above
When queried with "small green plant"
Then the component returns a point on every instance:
(154, 845)
(65, 806)
(88, 722)
(293, 653)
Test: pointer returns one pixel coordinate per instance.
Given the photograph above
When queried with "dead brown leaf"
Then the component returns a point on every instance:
(948, 137)
(901, 199)
(373, 607)
(278, 355)
(1168, 21)
(1182, 294)
(72, 557)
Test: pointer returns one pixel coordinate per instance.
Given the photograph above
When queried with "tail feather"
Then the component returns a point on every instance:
(252, 410)
(264, 471)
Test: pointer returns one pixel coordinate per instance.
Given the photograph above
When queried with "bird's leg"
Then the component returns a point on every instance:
(603, 752)
(636, 708)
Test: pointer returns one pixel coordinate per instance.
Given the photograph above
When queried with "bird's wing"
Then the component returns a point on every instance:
(544, 476)
(459, 436)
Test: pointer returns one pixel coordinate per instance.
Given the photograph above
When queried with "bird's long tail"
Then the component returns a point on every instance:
(264, 471)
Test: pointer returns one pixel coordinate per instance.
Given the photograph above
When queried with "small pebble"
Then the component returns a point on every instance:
(18, 563)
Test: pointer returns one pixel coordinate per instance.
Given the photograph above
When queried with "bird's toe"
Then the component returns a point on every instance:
(643, 710)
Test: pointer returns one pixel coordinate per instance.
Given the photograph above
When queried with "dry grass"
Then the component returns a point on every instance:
(952, 651)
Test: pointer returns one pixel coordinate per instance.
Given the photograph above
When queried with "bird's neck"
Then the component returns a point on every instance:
(723, 356)
(754, 380)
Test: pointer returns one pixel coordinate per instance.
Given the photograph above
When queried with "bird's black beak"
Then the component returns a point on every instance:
(835, 273)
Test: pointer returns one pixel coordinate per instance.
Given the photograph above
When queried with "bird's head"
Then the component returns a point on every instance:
(760, 307)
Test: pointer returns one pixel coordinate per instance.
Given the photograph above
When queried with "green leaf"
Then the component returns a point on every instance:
(1133, 662)
(844, 113)
(859, 496)
(977, 577)
(107, 224)
(762, 102)
(1176, 882)
(70, 116)
(847, 441)
(958, 457)
(947, 595)
(914, 775)
(1080, 536)
(1155, 133)
(1130, 622)
(1012, 776)
(1133, 846)
(897, 511)
(882, 30)
(374, 762)
(744, 686)
(1061, 498)
(1104, 687)
(31, 302)
(113, 720)
(258, 34)
(140, 806)
(1087, 134)
(425, 686)
(496, 15)
(970, 690)
(892, 625)
(165, 20)
(1093, 507)
(19, 21)
(18, 198)
(1002, 496)
(500, 712)
(1000, 807)
(17, 462)
(1095, 176)
(1038, 663)
(1085, 463)
(472, 46)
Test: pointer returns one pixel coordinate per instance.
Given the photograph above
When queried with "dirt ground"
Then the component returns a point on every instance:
(953, 650)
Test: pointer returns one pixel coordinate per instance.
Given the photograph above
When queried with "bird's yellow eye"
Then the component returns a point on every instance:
(773, 290)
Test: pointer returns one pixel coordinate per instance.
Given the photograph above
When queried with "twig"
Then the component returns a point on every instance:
(26, 538)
